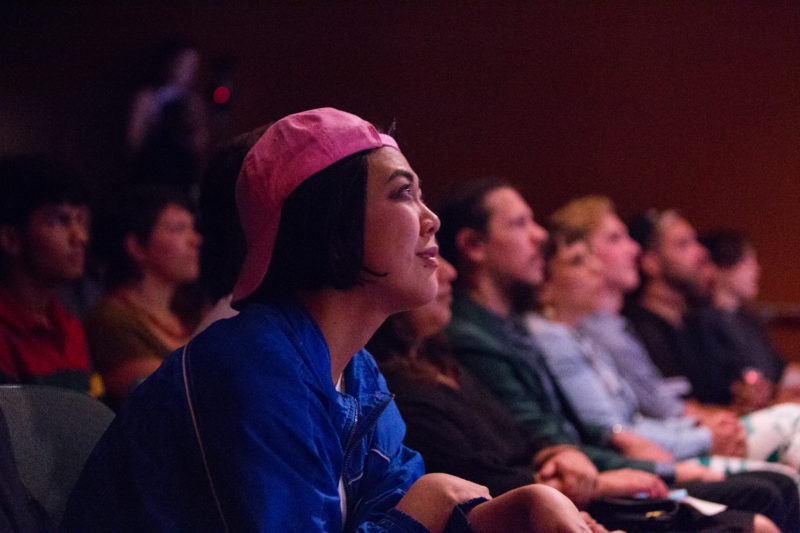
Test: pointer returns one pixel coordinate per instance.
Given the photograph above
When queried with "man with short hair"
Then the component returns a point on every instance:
(44, 232)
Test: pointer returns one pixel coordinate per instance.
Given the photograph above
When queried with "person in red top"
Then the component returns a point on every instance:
(44, 232)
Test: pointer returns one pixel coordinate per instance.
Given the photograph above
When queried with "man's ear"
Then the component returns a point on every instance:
(651, 264)
(10, 241)
(134, 248)
(471, 245)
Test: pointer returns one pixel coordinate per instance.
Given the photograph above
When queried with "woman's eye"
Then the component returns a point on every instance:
(405, 191)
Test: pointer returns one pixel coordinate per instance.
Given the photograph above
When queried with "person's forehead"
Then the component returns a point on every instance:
(61, 207)
(505, 202)
(678, 229)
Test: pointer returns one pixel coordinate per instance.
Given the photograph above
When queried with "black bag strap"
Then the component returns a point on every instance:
(200, 440)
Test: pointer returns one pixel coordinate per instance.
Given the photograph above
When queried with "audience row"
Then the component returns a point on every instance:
(594, 358)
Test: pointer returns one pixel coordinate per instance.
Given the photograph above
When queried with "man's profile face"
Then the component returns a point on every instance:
(513, 240)
(53, 243)
(683, 259)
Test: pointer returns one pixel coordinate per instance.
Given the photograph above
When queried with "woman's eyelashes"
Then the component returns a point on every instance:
(408, 191)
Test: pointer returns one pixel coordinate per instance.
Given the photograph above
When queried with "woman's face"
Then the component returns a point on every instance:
(618, 253)
(172, 252)
(575, 281)
(399, 234)
(432, 317)
(742, 278)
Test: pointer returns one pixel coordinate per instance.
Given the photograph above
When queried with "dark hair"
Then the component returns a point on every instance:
(29, 182)
(558, 237)
(135, 212)
(320, 241)
(224, 246)
(393, 343)
(464, 207)
(645, 228)
(726, 247)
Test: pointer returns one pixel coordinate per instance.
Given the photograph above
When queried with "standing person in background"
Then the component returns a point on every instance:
(152, 249)
(277, 419)
(167, 136)
(44, 232)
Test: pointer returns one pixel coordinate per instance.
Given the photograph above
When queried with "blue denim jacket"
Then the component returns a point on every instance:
(276, 437)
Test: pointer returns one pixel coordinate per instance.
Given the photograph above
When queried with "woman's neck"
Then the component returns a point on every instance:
(564, 315)
(346, 319)
(611, 301)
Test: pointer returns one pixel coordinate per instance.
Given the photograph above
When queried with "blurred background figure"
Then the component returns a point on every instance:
(44, 233)
(167, 135)
(735, 273)
(152, 249)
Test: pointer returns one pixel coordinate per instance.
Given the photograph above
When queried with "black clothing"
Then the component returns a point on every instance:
(691, 351)
(464, 432)
(742, 336)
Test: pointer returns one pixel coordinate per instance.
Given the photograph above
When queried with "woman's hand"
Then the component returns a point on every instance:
(571, 472)
(628, 482)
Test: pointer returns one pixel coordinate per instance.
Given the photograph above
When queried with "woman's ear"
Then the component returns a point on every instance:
(9, 240)
(471, 245)
(135, 249)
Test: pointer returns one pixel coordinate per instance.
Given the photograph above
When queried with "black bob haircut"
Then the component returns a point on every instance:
(29, 182)
(320, 241)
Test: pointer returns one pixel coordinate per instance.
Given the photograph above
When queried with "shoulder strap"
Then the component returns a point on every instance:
(200, 440)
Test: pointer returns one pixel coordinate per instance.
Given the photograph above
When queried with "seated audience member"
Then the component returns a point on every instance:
(458, 427)
(277, 419)
(44, 232)
(735, 275)
(588, 376)
(489, 232)
(152, 249)
(674, 268)
(642, 390)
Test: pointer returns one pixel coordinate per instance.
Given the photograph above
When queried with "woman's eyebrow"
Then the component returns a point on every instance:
(401, 173)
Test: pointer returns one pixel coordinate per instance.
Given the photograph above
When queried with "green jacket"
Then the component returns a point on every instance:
(499, 351)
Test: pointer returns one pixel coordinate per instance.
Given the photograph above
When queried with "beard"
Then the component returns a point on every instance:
(696, 289)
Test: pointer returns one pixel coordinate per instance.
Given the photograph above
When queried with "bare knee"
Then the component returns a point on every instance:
(762, 524)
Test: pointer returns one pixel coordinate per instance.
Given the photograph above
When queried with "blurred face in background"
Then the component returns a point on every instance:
(617, 252)
(682, 259)
(432, 317)
(741, 279)
(513, 241)
(172, 252)
(574, 284)
(52, 246)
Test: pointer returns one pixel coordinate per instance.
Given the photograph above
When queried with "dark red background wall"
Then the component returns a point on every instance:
(687, 104)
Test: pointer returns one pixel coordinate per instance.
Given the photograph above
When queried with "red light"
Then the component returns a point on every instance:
(221, 95)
